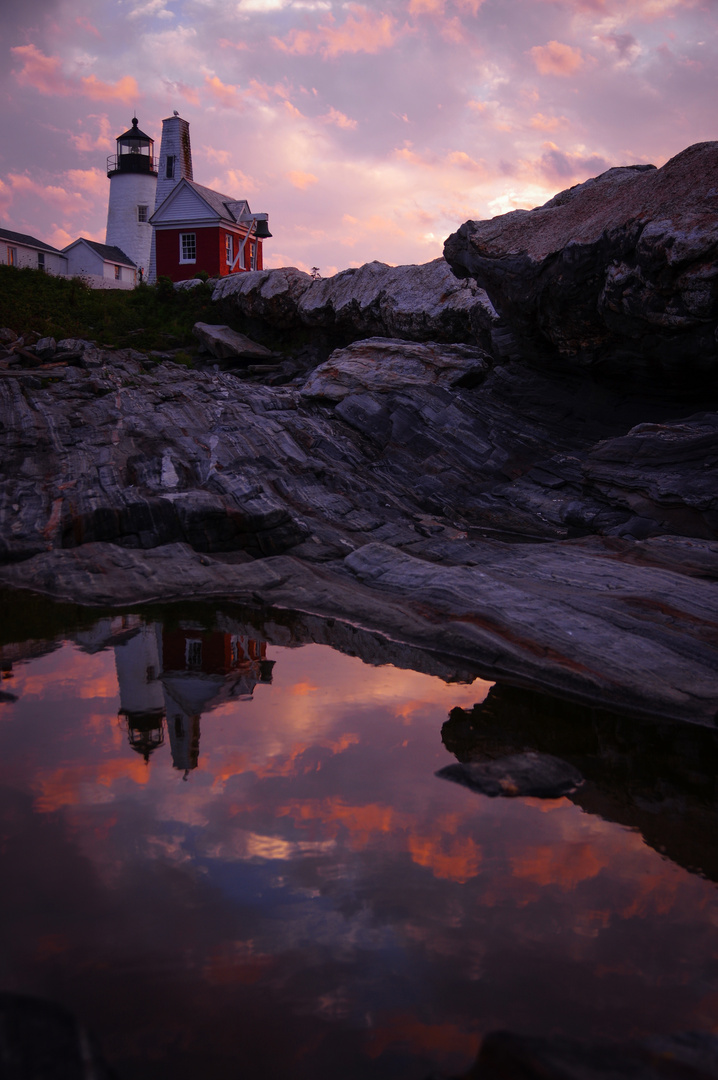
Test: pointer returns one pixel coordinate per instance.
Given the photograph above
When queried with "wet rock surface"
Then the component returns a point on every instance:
(41, 1040)
(617, 274)
(540, 775)
(508, 1056)
(411, 488)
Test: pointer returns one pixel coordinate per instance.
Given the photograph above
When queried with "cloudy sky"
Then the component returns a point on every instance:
(367, 130)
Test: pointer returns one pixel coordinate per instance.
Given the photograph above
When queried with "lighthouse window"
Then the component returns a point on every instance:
(170, 167)
(188, 247)
(142, 212)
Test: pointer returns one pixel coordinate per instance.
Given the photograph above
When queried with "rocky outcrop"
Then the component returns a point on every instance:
(389, 485)
(223, 343)
(617, 275)
(657, 778)
(415, 303)
(541, 776)
(507, 1056)
(40, 1038)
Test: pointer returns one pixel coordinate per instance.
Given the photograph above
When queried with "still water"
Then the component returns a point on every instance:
(231, 856)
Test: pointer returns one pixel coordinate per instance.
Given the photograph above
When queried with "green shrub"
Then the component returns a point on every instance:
(148, 317)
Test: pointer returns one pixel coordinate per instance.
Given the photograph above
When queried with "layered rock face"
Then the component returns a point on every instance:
(415, 303)
(617, 274)
(388, 490)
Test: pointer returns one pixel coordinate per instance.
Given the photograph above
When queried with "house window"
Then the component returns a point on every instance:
(193, 653)
(229, 248)
(41, 260)
(170, 170)
(117, 273)
(188, 247)
(142, 212)
(250, 254)
(12, 256)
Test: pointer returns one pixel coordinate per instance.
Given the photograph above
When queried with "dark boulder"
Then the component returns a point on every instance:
(541, 775)
(617, 274)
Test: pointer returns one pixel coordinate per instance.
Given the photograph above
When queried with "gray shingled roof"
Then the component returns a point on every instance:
(29, 241)
(105, 251)
(221, 204)
(217, 201)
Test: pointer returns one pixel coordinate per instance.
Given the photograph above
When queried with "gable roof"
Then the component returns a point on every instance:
(29, 241)
(223, 206)
(107, 252)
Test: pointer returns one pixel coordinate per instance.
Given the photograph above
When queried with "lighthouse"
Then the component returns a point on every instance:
(132, 172)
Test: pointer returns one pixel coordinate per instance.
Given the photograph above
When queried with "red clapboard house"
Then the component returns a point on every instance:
(200, 229)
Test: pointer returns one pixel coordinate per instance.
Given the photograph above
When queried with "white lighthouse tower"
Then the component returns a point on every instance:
(133, 182)
(175, 164)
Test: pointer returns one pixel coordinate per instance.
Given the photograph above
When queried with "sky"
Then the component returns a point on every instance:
(365, 130)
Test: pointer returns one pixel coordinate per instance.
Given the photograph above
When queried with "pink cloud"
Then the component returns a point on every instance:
(5, 200)
(453, 30)
(239, 181)
(644, 10)
(300, 179)
(426, 7)
(472, 6)
(225, 93)
(44, 73)
(556, 58)
(47, 193)
(334, 116)
(547, 123)
(362, 31)
(102, 141)
(41, 72)
(125, 89)
(293, 110)
(187, 93)
(221, 157)
(463, 161)
(93, 181)
(85, 24)
(60, 237)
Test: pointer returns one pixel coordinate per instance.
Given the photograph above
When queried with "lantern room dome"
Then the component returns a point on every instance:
(134, 133)
(134, 153)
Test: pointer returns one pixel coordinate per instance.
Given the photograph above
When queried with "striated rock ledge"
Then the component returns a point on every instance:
(381, 493)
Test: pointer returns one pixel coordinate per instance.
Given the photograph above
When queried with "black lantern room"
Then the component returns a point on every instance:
(135, 153)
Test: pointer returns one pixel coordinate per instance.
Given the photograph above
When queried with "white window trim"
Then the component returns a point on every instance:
(181, 235)
(146, 219)
(229, 248)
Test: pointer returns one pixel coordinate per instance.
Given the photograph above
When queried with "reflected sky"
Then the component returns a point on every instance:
(216, 858)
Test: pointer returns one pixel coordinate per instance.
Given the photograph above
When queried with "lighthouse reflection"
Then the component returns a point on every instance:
(169, 677)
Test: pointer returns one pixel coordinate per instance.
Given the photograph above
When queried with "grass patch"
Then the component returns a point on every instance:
(148, 317)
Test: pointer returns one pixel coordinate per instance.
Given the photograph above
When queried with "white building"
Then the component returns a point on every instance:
(19, 249)
(100, 265)
(132, 172)
(175, 164)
